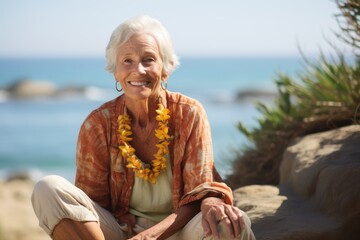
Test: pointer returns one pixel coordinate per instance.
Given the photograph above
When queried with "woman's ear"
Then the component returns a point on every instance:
(165, 76)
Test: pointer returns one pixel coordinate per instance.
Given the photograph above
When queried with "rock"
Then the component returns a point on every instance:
(319, 192)
(70, 91)
(255, 95)
(31, 88)
(277, 213)
(325, 168)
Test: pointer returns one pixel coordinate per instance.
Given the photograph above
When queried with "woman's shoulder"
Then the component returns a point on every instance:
(181, 103)
(181, 100)
(106, 110)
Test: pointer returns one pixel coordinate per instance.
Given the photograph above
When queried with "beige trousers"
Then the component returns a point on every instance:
(54, 198)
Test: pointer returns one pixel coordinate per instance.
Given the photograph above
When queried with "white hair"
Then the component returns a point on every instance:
(142, 24)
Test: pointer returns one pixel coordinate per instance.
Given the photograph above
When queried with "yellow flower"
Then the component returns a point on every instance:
(124, 135)
(163, 146)
(156, 162)
(162, 132)
(126, 150)
(163, 113)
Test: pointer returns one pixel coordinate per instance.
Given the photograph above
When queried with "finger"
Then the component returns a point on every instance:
(213, 222)
(206, 227)
(222, 220)
(236, 216)
(226, 221)
(241, 220)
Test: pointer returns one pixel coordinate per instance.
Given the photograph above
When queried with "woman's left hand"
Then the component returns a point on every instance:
(214, 211)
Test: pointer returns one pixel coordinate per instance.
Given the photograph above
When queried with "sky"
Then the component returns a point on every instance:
(81, 28)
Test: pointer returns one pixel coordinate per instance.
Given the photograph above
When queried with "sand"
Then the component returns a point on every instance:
(17, 218)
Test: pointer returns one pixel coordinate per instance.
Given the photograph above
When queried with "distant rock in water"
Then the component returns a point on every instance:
(25, 88)
(33, 89)
(252, 95)
(243, 96)
(70, 91)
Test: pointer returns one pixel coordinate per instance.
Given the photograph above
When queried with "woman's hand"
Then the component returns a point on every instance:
(214, 211)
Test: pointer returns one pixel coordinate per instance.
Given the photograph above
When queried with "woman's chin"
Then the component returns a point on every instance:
(140, 95)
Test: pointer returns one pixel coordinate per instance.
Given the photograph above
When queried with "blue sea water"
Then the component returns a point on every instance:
(39, 135)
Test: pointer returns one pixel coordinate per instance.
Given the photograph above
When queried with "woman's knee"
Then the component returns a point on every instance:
(45, 188)
(47, 185)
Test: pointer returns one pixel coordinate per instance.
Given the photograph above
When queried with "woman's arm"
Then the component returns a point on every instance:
(172, 224)
(194, 171)
(92, 160)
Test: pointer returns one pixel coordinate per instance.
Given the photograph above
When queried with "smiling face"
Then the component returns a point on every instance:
(139, 68)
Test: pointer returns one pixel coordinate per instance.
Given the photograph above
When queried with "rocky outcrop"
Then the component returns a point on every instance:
(319, 192)
(34, 89)
(31, 88)
(244, 96)
(255, 95)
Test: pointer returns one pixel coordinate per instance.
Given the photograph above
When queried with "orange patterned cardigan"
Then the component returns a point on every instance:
(101, 172)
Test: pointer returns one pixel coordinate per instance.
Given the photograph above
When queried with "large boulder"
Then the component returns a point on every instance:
(31, 88)
(319, 192)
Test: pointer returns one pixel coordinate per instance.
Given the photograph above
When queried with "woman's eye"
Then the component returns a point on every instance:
(127, 61)
(149, 60)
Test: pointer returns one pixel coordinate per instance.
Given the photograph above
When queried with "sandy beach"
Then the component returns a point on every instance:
(17, 219)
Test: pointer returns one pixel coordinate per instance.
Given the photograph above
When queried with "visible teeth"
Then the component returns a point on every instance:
(139, 83)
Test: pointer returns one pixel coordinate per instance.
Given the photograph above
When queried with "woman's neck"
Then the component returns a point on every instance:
(143, 112)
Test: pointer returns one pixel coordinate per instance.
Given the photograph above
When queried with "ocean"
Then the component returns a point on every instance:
(38, 136)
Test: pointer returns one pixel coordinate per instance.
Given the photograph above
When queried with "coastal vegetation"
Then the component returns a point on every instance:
(326, 95)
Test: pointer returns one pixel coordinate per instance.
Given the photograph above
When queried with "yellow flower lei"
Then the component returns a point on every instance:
(128, 152)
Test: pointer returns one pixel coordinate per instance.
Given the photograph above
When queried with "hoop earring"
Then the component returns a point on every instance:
(116, 87)
(163, 85)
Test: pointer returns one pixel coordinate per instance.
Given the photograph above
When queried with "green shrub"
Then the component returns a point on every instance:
(325, 96)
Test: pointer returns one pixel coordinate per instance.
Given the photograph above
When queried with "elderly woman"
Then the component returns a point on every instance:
(144, 162)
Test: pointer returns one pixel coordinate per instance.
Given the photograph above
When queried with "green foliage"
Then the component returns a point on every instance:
(326, 96)
(349, 22)
(327, 92)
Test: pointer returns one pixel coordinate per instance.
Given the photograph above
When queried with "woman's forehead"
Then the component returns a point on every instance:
(140, 41)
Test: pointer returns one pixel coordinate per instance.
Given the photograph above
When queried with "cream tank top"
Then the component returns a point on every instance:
(153, 201)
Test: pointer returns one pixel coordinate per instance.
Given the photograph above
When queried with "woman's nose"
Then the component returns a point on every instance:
(140, 68)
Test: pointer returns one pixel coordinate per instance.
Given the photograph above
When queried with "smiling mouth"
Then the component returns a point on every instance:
(140, 83)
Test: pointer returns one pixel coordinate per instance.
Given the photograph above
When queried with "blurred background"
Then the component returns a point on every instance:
(52, 67)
